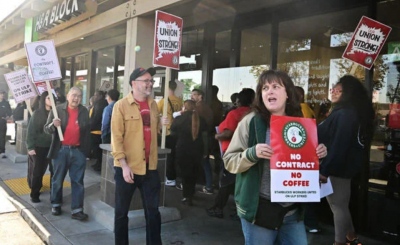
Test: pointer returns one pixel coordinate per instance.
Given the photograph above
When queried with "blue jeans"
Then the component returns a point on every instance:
(207, 172)
(149, 186)
(292, 232)
(74, 161)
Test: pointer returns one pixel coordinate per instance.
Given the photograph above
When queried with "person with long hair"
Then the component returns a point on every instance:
(248, 155)
(347, 132)
(188, 129)
(38, 145)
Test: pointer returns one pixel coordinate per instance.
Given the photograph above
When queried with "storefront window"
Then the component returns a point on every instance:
(65, 84)
(254, 58)
(121, 70)
(105, 69)
(310, 51)
(81, 74)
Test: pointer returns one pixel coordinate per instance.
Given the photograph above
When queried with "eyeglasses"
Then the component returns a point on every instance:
(147, 81)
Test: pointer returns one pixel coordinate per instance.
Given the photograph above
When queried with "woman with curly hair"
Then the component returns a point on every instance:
(346, 132)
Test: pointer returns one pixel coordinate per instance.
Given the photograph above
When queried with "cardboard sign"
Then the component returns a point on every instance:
(294, 164)
(367, 41)
(20, 85)
(167, 40)
(43, 60)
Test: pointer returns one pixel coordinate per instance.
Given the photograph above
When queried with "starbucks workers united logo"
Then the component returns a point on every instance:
(294, 135)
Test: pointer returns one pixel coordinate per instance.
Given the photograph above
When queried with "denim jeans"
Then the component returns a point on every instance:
(149, 186)
(74, 161)
(207, 172)
(292, 232)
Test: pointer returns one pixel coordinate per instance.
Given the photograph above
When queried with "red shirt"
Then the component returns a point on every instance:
(231, 121)
(145, 113)
(72, 133)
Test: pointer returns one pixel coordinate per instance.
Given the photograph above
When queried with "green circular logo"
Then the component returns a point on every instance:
(294, 135)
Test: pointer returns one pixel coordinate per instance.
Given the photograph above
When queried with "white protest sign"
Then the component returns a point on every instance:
(20, 85)
(43, 60)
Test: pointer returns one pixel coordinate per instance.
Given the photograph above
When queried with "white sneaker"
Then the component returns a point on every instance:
(170, 182)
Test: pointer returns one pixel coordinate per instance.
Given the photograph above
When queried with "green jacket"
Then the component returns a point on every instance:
(36, 137)
(240, 158)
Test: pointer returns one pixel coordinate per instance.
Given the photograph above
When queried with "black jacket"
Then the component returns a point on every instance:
(97, 115)
(5, 109)
(84, 129)
(340, 133)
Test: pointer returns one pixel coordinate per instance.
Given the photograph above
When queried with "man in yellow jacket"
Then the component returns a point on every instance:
(134, 126)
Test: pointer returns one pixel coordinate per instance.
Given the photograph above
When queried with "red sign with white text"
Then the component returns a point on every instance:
(367, 41)
(167, 40)
(294, 164)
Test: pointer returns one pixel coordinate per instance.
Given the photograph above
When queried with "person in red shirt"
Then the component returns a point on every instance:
(226, 130)
(70, 154)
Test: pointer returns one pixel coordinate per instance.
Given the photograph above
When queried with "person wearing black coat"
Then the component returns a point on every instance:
(188, 129)
(96, 117)
(346, 132)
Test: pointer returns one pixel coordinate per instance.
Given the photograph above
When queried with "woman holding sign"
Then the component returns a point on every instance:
(248, 156)
(38, 145)
(346, 132)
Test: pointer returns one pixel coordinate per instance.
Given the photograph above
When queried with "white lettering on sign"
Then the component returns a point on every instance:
(367, 40)
(59, 13)
(168, 35)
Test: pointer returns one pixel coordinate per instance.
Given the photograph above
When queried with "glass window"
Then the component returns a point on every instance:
(66, 82)
(121, 70)
(105, 69)
(81, 74)
(310, 51)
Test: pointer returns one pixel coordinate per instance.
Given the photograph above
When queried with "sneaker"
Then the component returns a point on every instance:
(206, 191)
(80, 216)
(56, 211)
(353, 242)
(179, 187)
(170, 182)
(3, 155)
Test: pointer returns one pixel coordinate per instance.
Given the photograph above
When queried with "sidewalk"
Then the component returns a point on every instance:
(194, 227)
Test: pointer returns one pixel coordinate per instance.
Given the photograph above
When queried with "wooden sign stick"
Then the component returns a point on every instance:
(53, 107)
(165, 108)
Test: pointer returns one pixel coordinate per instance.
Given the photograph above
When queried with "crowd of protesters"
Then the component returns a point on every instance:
(196, 133)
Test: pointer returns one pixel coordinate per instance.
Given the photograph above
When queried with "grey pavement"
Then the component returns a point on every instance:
(193, 227)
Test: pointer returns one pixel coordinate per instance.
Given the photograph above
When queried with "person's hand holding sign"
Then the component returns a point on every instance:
(264, 151)
(56, 122)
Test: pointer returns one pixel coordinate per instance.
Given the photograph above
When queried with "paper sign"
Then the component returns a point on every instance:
(294, 164)
(326, 188)
(367, 41)
(43, 60)
(20, 85)
(167, 40)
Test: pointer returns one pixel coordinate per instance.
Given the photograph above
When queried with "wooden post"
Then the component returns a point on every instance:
(53, 107)
(165, 108)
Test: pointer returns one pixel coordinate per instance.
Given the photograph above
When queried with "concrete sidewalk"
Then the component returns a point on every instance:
(194, 227)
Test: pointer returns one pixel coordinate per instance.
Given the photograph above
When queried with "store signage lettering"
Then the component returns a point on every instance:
(58, 13)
